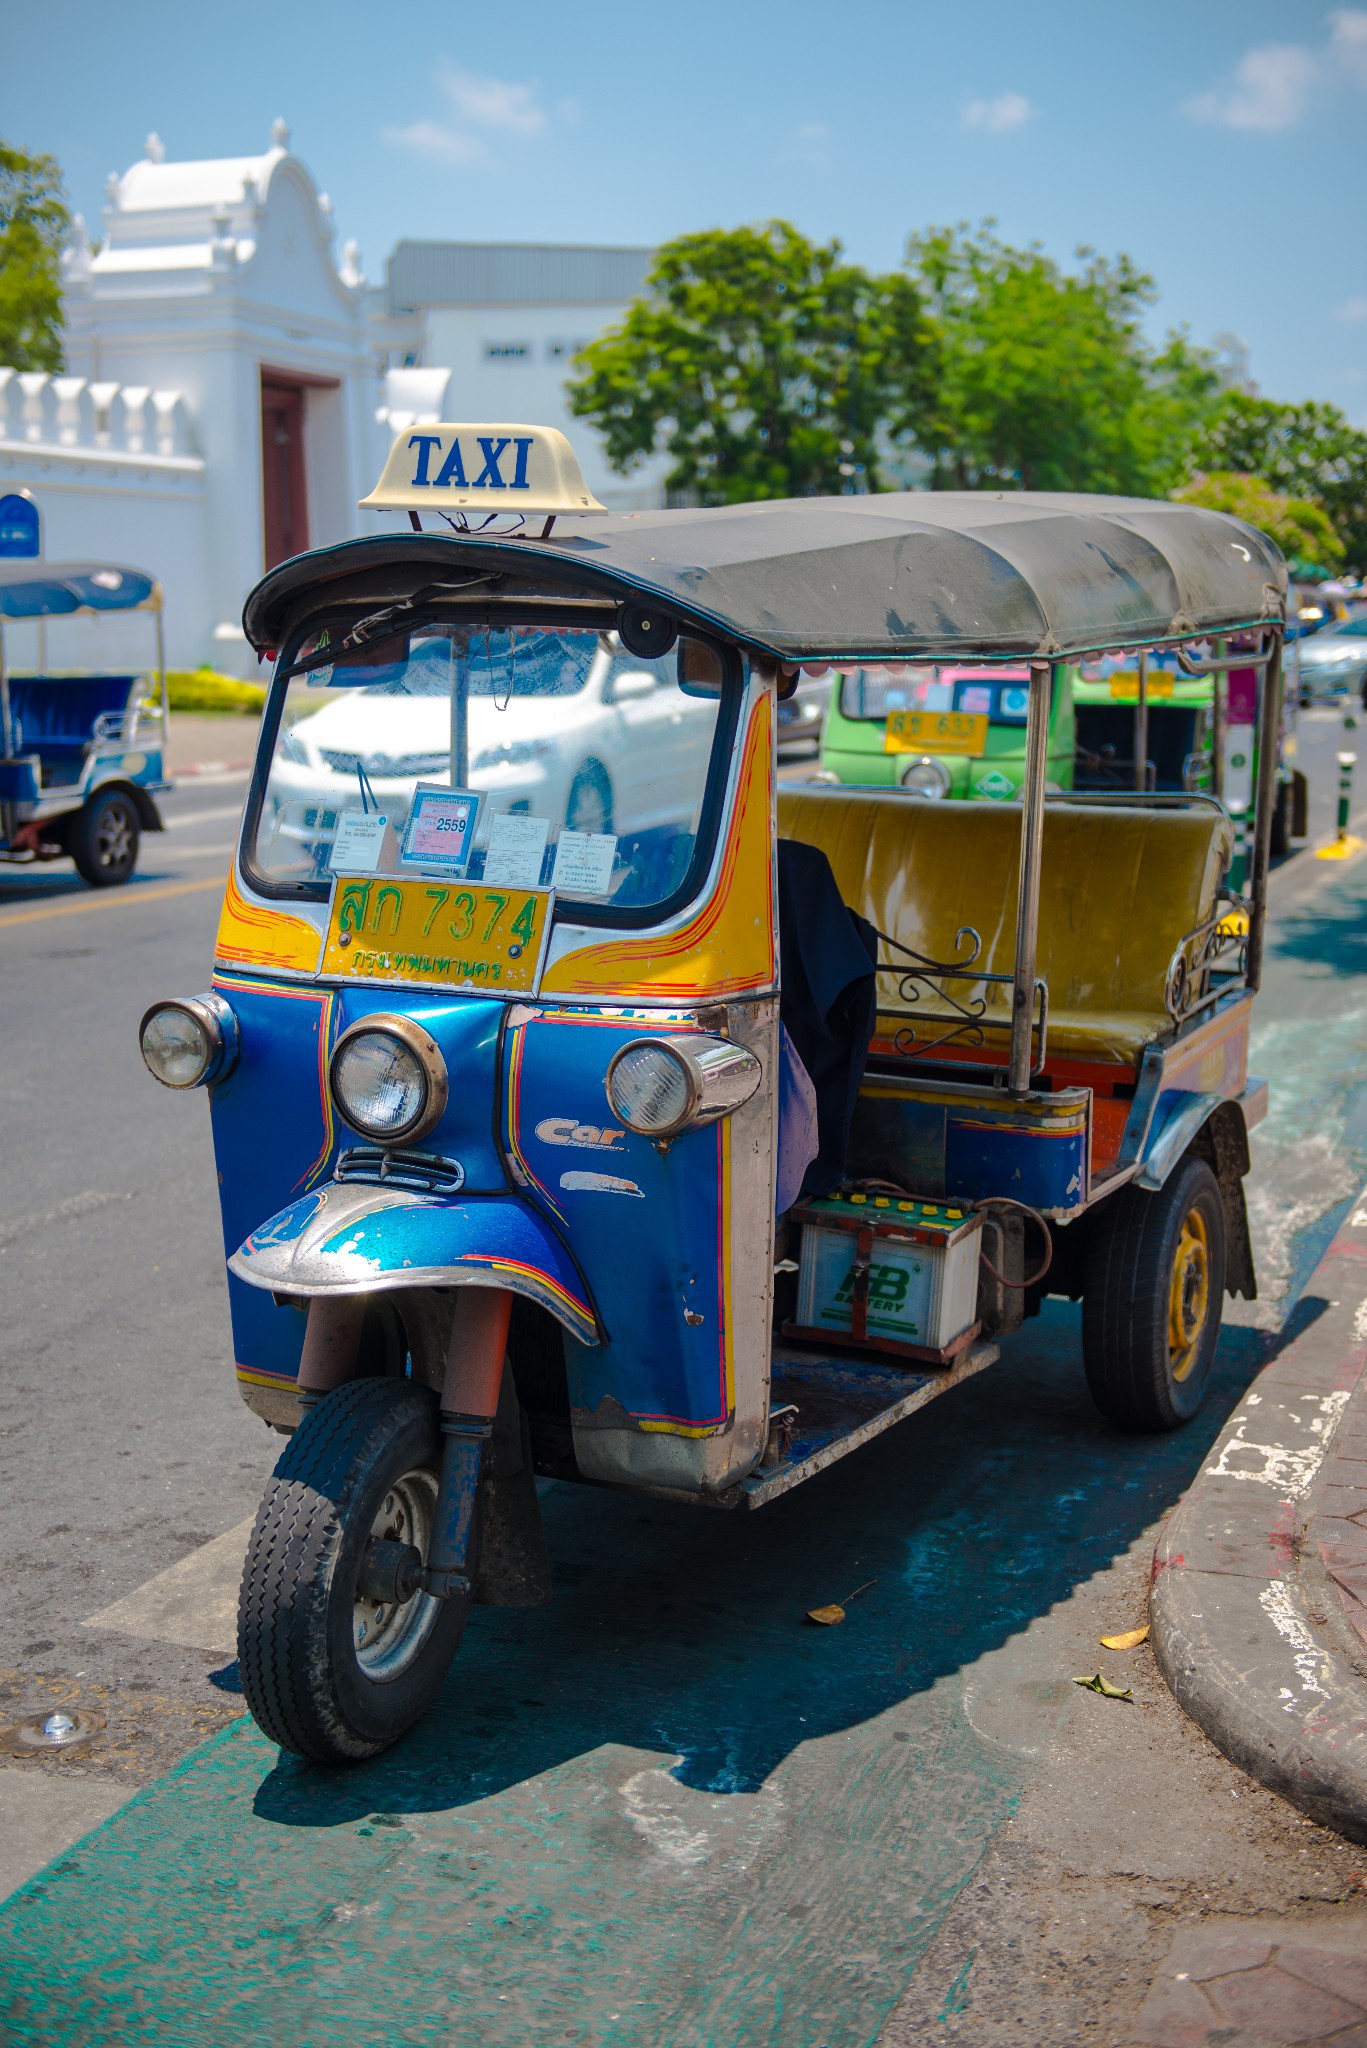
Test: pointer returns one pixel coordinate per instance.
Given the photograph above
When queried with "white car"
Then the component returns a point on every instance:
(620, 750)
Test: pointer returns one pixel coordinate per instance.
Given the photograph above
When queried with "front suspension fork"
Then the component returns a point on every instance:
(469, 1403)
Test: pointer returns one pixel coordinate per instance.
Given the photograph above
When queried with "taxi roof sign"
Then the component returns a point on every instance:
(480, 468)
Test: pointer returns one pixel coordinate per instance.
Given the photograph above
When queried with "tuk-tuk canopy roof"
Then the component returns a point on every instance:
(938, 574)
(45, 590)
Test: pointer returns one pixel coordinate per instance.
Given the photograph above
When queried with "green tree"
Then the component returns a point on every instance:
(765, 365)
(1302, 529)
(1308, 451)
(34, 223)
(1045, 379)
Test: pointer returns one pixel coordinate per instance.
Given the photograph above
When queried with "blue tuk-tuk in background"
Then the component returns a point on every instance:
(685, 1146)
(81, 755)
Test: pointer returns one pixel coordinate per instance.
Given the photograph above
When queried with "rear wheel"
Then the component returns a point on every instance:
(332, 1669)
(102, 839)
(1153, 1296)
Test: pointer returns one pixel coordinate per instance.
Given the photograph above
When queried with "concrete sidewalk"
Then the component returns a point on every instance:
(1259, 1602)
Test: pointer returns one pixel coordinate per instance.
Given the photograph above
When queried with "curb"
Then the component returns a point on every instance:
(1258, 1606)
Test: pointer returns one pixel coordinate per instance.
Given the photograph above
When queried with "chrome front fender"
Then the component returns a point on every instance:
(346, 1238)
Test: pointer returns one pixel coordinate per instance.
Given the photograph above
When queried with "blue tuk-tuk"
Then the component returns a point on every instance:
(589, 1106)
(81, 754)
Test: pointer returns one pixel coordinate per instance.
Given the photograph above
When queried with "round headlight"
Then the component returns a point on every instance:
(188, 1042)
(175, 1046)
(926, 778)
(650, 1088)
(388, 1078)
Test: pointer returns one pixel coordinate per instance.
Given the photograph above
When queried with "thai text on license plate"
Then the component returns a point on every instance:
(936, 732)
(438, 934)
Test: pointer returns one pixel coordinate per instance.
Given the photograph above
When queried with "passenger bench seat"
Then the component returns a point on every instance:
(1119, 888)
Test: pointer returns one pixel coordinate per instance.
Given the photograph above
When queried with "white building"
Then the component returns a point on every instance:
(505, 319)
(232, 387)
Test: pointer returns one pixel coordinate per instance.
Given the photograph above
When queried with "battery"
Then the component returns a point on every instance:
(888, 1274)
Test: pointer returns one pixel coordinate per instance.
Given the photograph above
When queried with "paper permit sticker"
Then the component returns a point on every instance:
(359, 843)
(583, 863)
(441, 827)
(517, 846)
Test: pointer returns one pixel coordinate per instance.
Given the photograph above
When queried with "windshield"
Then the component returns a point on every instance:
(1002, 694)
(538, 756)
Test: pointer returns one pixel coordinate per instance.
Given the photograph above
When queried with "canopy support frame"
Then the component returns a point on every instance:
(1042, 680)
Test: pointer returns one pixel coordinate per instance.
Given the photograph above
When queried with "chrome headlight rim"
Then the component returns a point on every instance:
(214, 1018)
(942, 776)
(719, 1077)
(420, 1044)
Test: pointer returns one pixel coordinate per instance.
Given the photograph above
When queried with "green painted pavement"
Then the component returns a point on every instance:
(664, 1809)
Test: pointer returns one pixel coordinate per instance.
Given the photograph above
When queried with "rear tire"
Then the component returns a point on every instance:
(327, 1674)
(102, 839)
(1152, 1300)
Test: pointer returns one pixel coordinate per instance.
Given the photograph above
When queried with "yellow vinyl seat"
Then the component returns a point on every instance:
(1119, 889)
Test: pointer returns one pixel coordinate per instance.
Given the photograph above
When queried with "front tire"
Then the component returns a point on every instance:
(329, 1674)
(102, 839)
(1153, 1295)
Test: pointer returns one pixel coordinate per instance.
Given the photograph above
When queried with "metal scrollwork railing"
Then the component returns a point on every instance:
(1209, 962)
(961, 1015)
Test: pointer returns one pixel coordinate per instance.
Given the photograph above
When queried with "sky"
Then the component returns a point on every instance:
(1222, 144)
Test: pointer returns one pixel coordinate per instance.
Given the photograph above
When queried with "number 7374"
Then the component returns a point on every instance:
(469, 909)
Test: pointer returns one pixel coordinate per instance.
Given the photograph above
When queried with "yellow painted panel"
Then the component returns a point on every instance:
(257, 935)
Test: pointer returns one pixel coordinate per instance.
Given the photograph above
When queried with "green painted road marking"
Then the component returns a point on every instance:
(662, 1810)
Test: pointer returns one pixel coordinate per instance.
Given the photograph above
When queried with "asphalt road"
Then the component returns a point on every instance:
(665, 1809)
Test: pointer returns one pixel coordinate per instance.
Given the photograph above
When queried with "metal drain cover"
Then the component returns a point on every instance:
(57, 1729)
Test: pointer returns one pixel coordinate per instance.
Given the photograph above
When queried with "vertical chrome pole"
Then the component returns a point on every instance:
(1219, 683)
(1269, 740)
(1141, 726)
(1027, 900)
(6, 741)
(161, 675)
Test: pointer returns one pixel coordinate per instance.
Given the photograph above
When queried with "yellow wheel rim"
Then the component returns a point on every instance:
(1188, 1294)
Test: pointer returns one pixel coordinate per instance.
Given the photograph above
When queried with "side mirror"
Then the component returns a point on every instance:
(698, 669)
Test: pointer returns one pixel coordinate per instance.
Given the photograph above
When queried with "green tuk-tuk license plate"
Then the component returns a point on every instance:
(936, 732)
(437, 934)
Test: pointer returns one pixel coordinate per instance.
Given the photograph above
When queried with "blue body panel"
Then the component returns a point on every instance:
(951, 1145)
(276, 1135)
(646, 1226)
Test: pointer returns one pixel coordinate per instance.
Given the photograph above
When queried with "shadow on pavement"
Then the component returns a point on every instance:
(682, 1630)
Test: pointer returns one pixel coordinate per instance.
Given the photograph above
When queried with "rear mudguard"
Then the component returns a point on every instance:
(346, 1238)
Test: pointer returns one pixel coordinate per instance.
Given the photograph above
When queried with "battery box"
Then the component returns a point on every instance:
(888, 1273)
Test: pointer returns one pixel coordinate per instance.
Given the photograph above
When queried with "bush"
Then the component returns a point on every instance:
(203, 689)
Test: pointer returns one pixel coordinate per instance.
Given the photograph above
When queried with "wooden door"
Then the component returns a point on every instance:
(284, 489)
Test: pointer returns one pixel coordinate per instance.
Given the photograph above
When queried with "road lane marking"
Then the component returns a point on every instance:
(97, 901)
(63, 1212)
(193, 1603)
(203, 817)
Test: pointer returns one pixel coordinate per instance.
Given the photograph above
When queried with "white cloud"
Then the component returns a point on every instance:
(1271, 90)
(1348, 40)
(485, 109)
(995, 117)
(440, 145)
(1273, 85)
(1352, 309)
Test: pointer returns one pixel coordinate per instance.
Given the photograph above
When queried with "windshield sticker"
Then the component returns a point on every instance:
(441, 827)
(365, 844)
(516, 851)
(583, 863)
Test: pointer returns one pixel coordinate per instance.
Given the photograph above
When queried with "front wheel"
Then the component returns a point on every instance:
(1153, 1294)
(331, 1671)
(103, 839)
